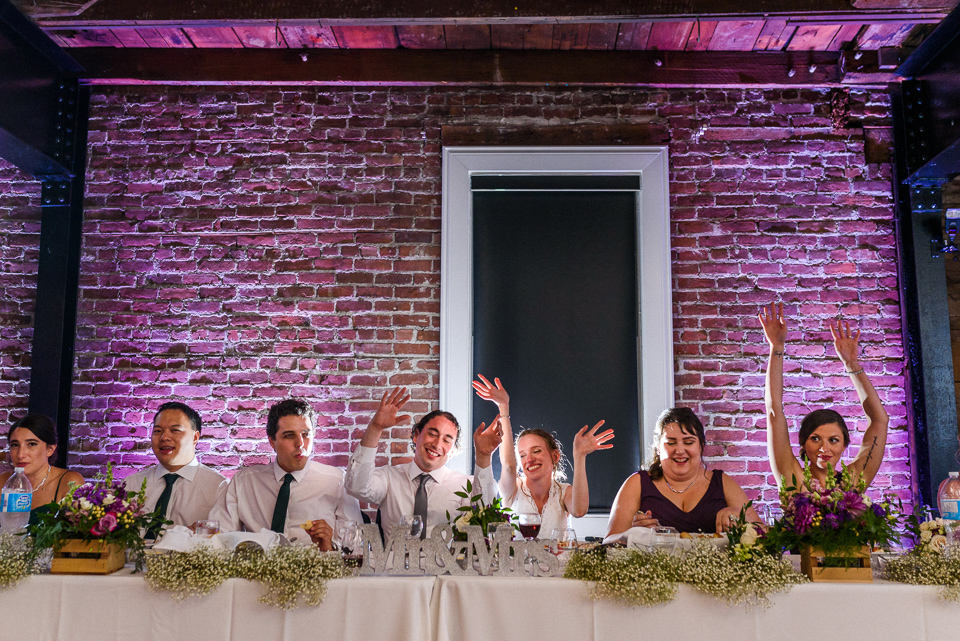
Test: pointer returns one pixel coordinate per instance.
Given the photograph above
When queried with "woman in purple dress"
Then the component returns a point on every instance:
(677, 490)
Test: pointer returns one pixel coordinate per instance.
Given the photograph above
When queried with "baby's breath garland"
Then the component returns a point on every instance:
(637, 577)
(925, 566)
(17, 560)
(288, 573)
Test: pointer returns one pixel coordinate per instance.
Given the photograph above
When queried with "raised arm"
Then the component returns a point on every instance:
(360, 481)
(495, 393)
(577, 497)
(386, 416)
(847, 345)
(782, 461)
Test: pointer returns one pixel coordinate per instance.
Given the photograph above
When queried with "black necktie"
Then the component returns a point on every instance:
(420, 503)
(280, 510)
(163, 502)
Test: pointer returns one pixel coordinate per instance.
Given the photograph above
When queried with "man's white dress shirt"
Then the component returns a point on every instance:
(194, 493)
(316, 492)
(394, 487)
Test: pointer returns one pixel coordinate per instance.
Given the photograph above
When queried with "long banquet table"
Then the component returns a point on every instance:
(121, 606)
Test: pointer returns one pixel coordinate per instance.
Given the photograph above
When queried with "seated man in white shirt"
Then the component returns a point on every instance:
(179, 486)
(292, 491)
(424, 486)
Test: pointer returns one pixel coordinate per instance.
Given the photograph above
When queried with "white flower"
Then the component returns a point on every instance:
(85, 504)
(749, 536)
(462, 522)
(938, 543)
(926, 535)
(926, 525)
(939, 524)
(108, 499)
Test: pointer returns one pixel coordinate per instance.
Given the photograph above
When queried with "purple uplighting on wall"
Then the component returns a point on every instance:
(243, 246)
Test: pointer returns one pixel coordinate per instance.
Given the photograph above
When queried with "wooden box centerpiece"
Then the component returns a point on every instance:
(88, 557)
(849, 566)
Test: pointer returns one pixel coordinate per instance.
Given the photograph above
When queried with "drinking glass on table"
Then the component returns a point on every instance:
(348, 536)
(770, 513)
(529, 525)
(413, 525)
(566, 540)
(207, 528)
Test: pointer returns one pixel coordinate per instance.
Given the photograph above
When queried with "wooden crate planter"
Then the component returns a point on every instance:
(91, 557)
(859, 572)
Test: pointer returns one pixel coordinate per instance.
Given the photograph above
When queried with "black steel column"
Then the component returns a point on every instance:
(58, 272)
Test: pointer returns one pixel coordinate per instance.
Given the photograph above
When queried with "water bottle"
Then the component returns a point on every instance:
(948, 498)
(17, 497)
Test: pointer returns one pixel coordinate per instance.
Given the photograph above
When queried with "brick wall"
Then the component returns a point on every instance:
(245, 245)
(19, 251)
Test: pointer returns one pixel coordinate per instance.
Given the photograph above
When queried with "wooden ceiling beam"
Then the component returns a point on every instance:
(461, 67)
(478, 11)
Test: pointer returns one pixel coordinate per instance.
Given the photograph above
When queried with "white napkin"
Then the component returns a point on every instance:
(180, 538)
(264, 538)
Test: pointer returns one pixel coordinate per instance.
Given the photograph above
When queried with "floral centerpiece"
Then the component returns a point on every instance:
(100, 510)
(477, 513)
(837, 518)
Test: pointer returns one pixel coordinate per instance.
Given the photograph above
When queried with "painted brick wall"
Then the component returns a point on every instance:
(245, 245)
(19, 251)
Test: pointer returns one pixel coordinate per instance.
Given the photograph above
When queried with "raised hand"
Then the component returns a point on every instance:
(774, 325)
(487, 439)
(587, 440)
(492, 392)
(386, 416)
(846, 343)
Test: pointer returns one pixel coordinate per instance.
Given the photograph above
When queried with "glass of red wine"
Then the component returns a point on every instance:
(529, 525)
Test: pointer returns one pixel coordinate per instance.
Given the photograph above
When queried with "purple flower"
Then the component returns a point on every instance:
(878, 510)
(831, 521)
(852, 501)
(803, 518)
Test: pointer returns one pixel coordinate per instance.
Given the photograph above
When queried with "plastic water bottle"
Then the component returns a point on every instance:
(17, 497)
(948, 498)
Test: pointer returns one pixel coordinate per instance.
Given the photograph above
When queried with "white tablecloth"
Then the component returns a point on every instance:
(121, 607)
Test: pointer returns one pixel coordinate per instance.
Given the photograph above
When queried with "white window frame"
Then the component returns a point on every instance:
(655, 366)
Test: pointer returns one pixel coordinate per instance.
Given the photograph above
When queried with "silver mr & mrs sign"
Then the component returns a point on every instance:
(440, 554)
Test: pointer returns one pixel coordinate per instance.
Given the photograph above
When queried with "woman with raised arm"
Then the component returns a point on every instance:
(823, 433)
(541, 487)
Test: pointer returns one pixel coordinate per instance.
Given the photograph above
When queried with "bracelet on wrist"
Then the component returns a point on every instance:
(778, 352)
(856, 373)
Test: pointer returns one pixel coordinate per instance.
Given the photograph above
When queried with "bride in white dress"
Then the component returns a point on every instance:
(541, 488)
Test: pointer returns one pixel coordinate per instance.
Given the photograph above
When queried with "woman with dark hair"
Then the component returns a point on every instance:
(677, 490)
(31, 442)
(823, 433)
(538, 484)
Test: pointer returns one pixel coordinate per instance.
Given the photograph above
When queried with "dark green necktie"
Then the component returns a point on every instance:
(280, 510)
(163, 502)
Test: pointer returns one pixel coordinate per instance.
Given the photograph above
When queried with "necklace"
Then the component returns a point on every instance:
(676, 491)
(44, 478)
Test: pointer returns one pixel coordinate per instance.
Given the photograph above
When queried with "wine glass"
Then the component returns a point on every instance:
(771, 513)
(529, 525)
(348, 536)
(413, 525)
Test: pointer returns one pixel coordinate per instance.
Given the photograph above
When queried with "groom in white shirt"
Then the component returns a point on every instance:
(178, 485)
(424, 486)
(293, 495)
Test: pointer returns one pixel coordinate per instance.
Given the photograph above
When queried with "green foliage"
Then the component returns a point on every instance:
(477, 513)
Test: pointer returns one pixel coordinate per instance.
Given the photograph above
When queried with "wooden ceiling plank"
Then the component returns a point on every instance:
(261, 37)
(701, 34)
(775, 34)
(813, 37)
(669, 36)
(521, 36)
(421, 36)
(470, 36)
(89, 38)
(884, 35)
(175, 38)
(364, 37)
(633, 36)
(571, 37)
(736, 35)
(129, 38)
(213, 37)
(309, 37)
(845, 37)
(603, 36)
(152, 38)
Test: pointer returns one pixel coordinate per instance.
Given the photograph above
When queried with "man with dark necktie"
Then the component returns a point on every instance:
(424, 486)
(292, 495)
(178, 486)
